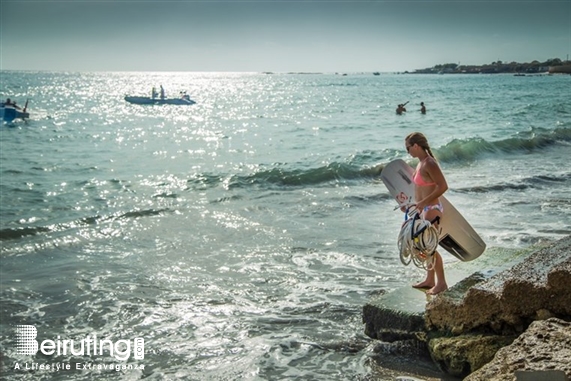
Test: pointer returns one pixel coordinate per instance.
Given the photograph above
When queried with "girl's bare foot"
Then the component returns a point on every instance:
(437, 289)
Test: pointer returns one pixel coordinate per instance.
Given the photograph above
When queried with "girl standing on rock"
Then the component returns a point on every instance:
(429, 185)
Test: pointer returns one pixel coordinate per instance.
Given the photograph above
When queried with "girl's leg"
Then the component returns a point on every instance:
(429, 282)
(435, 279)
(438, 270)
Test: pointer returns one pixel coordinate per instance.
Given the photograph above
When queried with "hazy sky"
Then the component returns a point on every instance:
(279, 36)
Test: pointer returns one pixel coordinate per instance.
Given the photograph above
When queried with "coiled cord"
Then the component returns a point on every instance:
(417, 241)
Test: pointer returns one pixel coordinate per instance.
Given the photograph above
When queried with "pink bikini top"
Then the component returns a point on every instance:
(418, 180)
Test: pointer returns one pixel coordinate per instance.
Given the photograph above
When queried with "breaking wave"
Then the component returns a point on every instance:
(457, 151)
(470, 149)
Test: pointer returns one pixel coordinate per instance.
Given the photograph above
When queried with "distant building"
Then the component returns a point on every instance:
(562, 69)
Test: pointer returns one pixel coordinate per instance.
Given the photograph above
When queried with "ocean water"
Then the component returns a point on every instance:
(240, 237)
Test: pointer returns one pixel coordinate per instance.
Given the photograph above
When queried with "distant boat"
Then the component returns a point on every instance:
(184, 100)
(9, 112)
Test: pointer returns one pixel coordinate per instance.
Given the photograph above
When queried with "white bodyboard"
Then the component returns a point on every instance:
(456, 235)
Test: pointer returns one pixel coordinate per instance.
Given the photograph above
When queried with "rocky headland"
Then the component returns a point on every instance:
(554, 65)
(507, 317)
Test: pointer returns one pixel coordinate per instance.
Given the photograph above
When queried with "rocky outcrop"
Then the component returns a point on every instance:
(401, 312)
(492, 312)
(536, 288)
(461, 355)
(543, 352)
(478, 322)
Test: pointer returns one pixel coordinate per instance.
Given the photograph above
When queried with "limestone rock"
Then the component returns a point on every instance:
(461, 355)
(543, 352)
(465, 327)
(395, 316)
(509, 301)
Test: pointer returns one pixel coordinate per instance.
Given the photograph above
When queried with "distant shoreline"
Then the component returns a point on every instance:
(555, 65)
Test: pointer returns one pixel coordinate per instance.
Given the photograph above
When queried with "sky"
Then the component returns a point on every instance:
(278, 36)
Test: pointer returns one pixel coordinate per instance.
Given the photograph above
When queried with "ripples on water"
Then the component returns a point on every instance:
(241, 236)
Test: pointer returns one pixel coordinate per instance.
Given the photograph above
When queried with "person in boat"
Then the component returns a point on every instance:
(162, 93)
(429, 185)
(154, 93)
(10, 103)
(400, 109)
(422, 108)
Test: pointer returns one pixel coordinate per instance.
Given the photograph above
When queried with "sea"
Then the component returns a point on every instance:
(240, 237)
